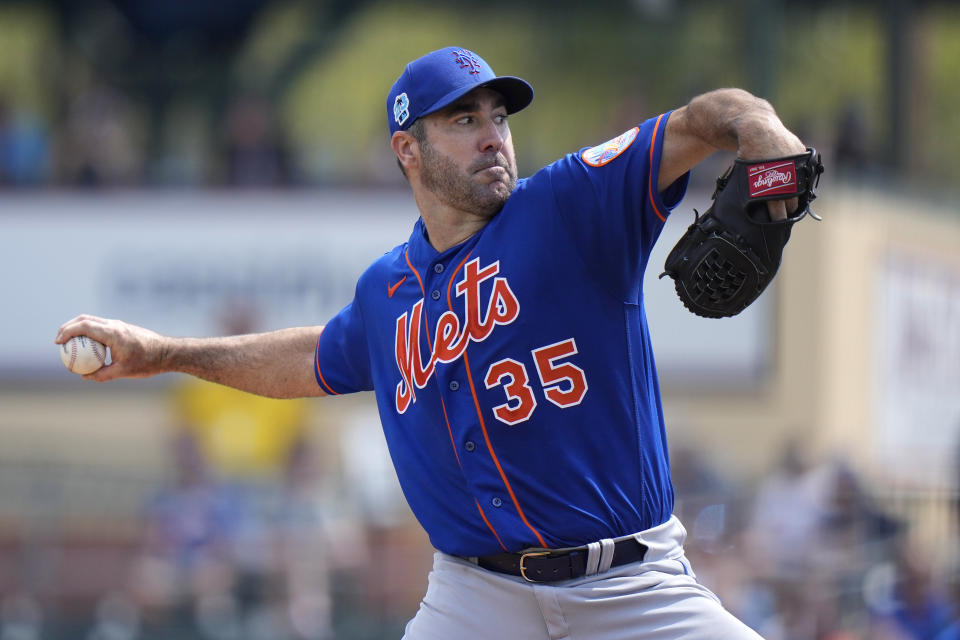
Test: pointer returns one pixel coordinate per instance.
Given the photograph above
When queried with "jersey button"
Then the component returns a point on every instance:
(435, 294)
(496, 502)
(438, 268)
(469, 445)
(454, 385)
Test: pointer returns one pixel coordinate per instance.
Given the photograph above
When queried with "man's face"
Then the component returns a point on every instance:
(467, 157)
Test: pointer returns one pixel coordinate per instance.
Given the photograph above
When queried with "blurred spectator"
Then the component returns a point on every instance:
(20, 618)
(787, 509)
(246, 439)
(117, 618)
(814, 535)
(189, 527)
(919, 608)
(713, 511)
(853, 536)
(24, 148)
(704, 498)
(270, 549)
(852, 520)
(304, 540)
(851, 154)
(254, 147)
(5, 134)
(100, 145)
(952, 630)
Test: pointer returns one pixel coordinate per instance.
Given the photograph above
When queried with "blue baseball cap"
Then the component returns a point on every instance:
(435, 80)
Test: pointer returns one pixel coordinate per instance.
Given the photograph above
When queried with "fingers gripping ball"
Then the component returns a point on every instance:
(82, 355)
(730, 254)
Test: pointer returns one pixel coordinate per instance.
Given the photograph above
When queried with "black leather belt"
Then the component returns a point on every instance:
(543, 565)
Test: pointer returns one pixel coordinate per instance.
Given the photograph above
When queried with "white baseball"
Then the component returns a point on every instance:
(82, 355)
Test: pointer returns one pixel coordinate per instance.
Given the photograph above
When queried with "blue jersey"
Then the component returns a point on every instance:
(513, 373)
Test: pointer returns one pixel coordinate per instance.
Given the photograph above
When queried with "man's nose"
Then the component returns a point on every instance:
(494, 136)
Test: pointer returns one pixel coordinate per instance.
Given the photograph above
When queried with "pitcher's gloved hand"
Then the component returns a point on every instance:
(730, 254)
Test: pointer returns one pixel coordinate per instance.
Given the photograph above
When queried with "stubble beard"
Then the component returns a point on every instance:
(458, 189)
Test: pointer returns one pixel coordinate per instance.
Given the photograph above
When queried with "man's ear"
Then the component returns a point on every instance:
(406, 148)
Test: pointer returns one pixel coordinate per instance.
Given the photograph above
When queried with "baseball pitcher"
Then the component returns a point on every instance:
(507, 345)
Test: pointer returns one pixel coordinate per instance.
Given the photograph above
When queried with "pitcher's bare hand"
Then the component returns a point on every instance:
(135, 352)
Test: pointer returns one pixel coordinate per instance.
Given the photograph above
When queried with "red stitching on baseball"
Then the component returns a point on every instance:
(96, 351)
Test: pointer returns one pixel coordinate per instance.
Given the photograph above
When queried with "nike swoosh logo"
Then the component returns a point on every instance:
(393, 289)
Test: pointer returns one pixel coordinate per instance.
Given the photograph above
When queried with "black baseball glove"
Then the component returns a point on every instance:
(730, 254)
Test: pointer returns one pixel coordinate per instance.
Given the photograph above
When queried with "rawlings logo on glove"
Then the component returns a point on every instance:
(730, 254)
(771, 180)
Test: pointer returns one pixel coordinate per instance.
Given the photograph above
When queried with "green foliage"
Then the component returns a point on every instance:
(839, 62)
(938, 117)
(597, 69)
(25, 33)
(595, 73)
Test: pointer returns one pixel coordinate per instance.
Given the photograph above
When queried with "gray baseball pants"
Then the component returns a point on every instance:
(657, 599)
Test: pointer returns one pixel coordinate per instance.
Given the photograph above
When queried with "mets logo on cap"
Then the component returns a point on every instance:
(467, 60)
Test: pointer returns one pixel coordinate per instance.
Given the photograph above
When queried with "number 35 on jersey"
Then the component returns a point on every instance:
(563, 383)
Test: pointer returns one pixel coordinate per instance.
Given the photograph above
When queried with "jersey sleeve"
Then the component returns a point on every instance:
(342, 359)
(608, 200)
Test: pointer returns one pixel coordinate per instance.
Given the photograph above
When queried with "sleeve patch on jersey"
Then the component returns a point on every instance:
(608, 151)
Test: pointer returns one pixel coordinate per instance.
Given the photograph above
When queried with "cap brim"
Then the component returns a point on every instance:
(517, 94)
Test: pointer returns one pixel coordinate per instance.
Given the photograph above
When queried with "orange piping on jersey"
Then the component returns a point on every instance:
(483, 427)
(503, 476)
(486, 436)
(492, 530)
(453, 276)
(316, 359)
(406, 255)
(455, 272)
(653, 143)
(449, 429)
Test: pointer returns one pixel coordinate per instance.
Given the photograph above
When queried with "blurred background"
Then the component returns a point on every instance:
(204, 168)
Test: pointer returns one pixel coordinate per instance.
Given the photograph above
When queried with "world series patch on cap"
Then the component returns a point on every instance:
(437, 79)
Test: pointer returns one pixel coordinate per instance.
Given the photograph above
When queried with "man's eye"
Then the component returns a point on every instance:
(465, 120)
(501, 118)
